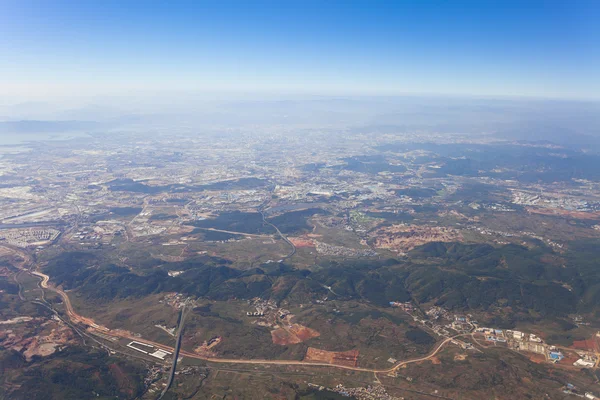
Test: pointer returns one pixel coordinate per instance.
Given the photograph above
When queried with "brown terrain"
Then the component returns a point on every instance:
(457, 215)
(4, 271)
(124, 383)
(570, 357)
(206, 347)
(36, 338)
(293, 334)
(564, 213)
(591, 344)
(300, 242)
(435, 361)
(346, 358)
(406, 237)
(536, 357)
(168, 258)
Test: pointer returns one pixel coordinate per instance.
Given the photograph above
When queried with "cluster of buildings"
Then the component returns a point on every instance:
(341, 251)
(529, 342)
(443, 323)
(564, 202)
(255, 314)
(98, 234)
(463, 323)
(267, 309)
(377, 392)
(571, 389)
(586, 361)
(29, 237)
(175, 300)
(406, 306)
(486, 231)
(436, 313)
(149, 350)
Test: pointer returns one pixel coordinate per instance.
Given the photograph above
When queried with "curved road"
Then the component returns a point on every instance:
(76, 318)
(281, 235)
(309, 364)
(105, 331)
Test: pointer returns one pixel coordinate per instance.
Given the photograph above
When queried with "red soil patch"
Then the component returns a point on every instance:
(570, 358)
(407, 237)
(301, 242)
(590, 344)
(435, 361)
(538, 333)
(536, 358)
(293, 334)
(347, 358)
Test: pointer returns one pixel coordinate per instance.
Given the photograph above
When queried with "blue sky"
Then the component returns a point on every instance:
(508, 48)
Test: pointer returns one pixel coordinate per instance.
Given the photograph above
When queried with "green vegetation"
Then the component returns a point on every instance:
(215, 236)
(129, 185)
(237, 221)
(365, 164)
(74, 373)
(419, 336)
(416, 192)
(295, 222)
(522, 163)
(497, 374)
(453, 275)
(125, 211)
(237, 184)
(479, 276)
(314, 394)
(389, 217)
(371, 165)
(162, 217)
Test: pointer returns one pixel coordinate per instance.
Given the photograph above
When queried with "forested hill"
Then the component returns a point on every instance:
(456, 276)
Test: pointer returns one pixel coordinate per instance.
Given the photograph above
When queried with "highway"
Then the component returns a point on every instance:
(281, 235)
(76, 318)
(235, 232)
(177, 349)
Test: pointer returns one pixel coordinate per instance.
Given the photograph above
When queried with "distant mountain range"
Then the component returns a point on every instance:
(555, 134)
(27, 126)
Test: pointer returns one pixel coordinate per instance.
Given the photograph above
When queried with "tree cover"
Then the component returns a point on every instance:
(129, 185)
(73, 373)
(293, 222)
(523, 163)
(454, 275)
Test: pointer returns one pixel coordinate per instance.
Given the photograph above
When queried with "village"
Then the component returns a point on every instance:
(443, 323)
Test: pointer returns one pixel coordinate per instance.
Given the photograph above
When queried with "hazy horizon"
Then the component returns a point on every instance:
(451, 67)
(545, 49)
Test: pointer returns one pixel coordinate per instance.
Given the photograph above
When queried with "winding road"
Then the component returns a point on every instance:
(280, 235)
(79, 319)
(76, 318)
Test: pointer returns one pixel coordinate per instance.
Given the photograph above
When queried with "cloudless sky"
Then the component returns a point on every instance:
(518, 48)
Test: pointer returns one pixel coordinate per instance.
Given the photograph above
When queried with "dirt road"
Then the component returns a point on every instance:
(105, 331)
(76, 318)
